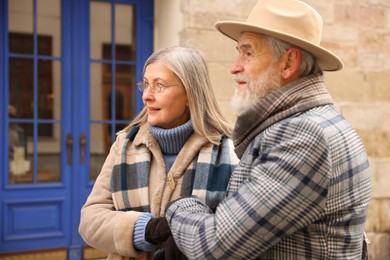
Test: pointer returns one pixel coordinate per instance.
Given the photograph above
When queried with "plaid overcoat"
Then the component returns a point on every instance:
(300, 191)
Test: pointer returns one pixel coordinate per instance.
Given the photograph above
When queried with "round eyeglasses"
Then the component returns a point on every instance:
(154, 88)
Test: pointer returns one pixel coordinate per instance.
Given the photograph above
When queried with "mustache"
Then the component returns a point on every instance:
(240, 77)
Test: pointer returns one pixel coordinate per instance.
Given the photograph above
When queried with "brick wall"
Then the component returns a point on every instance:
(358, 31)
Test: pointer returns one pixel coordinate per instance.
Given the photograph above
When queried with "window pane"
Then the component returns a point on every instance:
(100, 27)
(101, 94)
(125, 92)
(49, 89)
(99, 148)
(20, 21)
(125, 32)
(20, 154)
(20, 166)
(21, 91)
(57, 89)
(49, 24)
(49, 154)
(98, 89)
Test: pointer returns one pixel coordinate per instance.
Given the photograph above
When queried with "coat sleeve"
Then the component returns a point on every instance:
(285, 191)
(101, 226)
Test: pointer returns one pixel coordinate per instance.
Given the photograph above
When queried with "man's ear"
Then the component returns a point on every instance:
(292, 60)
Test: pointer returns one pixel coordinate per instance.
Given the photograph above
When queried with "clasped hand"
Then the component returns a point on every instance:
(157, 231)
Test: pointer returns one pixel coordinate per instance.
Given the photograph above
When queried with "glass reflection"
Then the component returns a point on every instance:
(49, 23)
(98, 81)
(125, 92)
(21, 159)
(124, 32)
(98, 149)
(101, 147)
(102, 95)
(49, 155)
(20, 19)
(21, 86)
(100, 27)
(20, 164)
(49, 89)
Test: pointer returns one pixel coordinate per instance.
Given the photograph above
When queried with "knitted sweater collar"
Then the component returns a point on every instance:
(172, 140)
(296, 97)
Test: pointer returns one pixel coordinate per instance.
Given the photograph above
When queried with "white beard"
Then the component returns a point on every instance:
(262, 86)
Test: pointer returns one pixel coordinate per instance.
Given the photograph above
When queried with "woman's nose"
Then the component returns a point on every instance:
(147, 95)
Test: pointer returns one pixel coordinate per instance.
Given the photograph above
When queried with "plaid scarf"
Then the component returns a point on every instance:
(278, 105)
(206, 176)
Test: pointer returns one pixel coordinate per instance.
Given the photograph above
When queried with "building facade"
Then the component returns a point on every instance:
(358, 32)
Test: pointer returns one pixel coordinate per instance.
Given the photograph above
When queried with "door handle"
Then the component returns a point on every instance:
(83, 142)
(69, 145)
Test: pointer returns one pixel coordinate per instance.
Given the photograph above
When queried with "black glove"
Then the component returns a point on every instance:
(169, 252)
(157, 230)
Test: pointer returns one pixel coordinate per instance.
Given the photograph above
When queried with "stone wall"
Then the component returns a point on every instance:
(358, 31)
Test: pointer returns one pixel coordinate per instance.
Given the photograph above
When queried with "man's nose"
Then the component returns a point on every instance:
(237, 66)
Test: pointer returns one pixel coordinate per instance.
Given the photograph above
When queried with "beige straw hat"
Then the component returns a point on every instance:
(290, 20)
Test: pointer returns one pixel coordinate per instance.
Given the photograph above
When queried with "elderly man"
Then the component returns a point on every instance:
(302, 187)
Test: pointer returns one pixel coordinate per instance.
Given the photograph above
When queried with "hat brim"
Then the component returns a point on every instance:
(325, 59)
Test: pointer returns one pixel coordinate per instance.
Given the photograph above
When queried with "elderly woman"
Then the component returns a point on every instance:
(179, 145)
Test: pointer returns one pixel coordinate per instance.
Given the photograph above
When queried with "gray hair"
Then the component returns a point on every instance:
(190, 67)
(308, 61)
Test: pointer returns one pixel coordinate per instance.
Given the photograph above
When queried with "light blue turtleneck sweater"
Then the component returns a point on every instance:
(171, 141)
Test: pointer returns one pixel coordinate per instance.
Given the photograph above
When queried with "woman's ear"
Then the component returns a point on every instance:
(292, 62)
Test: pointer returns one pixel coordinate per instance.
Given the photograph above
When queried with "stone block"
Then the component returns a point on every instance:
(217, 47)
(324, 8)
(369, 60)
(202, 20)
(388, 15)
(227, 110)
(231, 7)
(223, 86)
(347, 51)
(222, 80)
(373, 49)
(340, 33)
(378, 87)
(379, 246)
(381, 3)
(378, 216)
(376, 142)
(347, 85)
(360, 15)
(375, 41)
(380, 178)
(367, 116)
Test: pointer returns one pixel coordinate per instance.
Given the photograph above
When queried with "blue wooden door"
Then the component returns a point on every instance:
(68, 73)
